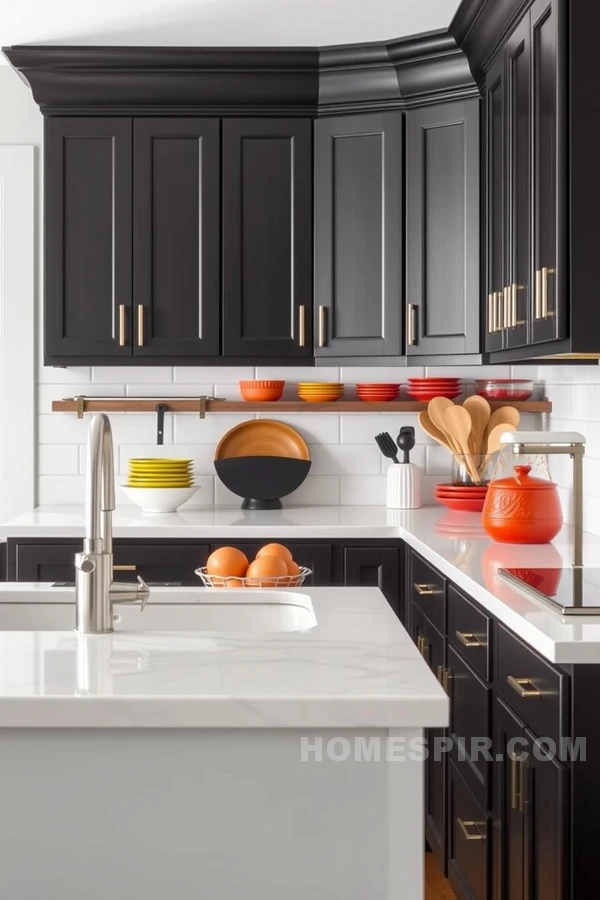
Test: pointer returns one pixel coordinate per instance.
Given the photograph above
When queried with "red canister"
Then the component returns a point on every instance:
(522, 509)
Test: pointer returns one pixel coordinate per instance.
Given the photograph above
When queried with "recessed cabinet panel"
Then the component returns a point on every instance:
(519, 295)
(442, 184)
(176, 237)
(358, 228)
(495, 203)
(87, 237)
(549, 320)
(267, 237)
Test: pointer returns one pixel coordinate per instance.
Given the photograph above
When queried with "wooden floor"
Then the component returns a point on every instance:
(436, 886)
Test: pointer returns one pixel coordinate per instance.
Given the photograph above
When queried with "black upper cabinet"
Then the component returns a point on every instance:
(267, 238)
(443, 215)
(495, 156)
(88, 234)
(358, 235)
(176, 220)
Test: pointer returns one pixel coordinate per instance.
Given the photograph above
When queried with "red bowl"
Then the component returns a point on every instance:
(426, 396)
(460, 504)
(457, 491)
(377, 386)
(426, 381)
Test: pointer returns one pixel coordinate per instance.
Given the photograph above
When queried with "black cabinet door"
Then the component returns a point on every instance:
(470, 726)
(495, 200)
(508, 815)
(550, 319)
(443, 214)
(546, 817)
(176, 245)
(469, 841)
(50, 561)
(436, 768)
(375, 567)
(358, 235)
(267, 238)
(87, 210)
(518, 241)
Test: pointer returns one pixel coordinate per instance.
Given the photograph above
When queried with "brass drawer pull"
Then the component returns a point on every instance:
(546, 313)
(524, 687)
(499, 317)
(322, 326)
(124, 568)
(122, 325)
(515, 322)
(515, 783)
(443, 676)
(468, 639)
(140, 336)
(425, 590)
(491, 314)
(302, 326)
(422, 644)
(538, 294)
(411, 325)
(472, 831)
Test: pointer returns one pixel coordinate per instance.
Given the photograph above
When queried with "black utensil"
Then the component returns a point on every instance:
(386, 444)
(406, 441)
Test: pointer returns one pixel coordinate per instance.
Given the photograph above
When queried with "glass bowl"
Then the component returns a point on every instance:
(504, 388)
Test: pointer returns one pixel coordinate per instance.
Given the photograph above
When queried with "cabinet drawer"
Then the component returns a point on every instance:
(536, 691)
(468, 842)
(470, 632)
(470, 720)
(428, 591)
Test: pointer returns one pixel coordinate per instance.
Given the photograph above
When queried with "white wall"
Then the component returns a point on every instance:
(347, 466)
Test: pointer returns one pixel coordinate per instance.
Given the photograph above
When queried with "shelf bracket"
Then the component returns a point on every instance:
(202, 408)
(80, 405)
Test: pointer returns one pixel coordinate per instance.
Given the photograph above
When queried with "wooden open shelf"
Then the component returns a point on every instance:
(193, 405)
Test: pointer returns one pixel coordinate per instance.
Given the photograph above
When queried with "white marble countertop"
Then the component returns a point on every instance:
(356, 668)
(453, 542)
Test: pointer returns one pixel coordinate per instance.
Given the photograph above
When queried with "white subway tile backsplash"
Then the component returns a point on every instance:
(62, 428)
(315, 428)
(61, 490)
(439, 460)
(73, 375)
(139, 428)
(213, 374)
(417, 456)
(296, 374)
(191, 429)
(317, 490)
(362, 428)
(168, 389)
(58, 459)
(379, 374)
(345, 459)
(132, 375)
(362, 490)
(49, 392)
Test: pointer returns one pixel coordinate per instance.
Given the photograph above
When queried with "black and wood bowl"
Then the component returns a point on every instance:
(262, 480)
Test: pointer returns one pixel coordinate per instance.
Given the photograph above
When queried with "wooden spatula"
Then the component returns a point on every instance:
(435, 433)
(458, 425)
(480, 412)
(493, 438)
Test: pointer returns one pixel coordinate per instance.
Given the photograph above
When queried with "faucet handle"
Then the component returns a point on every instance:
(123, 592)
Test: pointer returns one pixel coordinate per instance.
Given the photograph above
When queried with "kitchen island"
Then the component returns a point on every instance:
(281, 759)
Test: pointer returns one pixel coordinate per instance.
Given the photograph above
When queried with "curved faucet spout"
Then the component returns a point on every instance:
(100, 483)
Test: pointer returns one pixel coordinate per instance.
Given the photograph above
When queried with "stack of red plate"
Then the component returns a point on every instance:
(377, 393)
(460, 497)
(425, 389)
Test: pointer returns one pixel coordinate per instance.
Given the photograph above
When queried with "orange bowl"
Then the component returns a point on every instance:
(261, 391)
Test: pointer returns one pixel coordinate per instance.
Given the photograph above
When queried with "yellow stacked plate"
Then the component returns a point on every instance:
(320, 392)
(160, 473)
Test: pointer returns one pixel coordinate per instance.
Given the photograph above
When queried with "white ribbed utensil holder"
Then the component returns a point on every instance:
(403, 486)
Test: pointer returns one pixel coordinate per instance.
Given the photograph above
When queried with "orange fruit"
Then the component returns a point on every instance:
(293, 568)
(233, 583)
(275, 550)
(265, 570)
(227, 561)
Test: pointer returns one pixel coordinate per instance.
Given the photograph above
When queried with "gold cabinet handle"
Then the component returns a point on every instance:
(422, 644)
(322, 325)
(524, 687)
(424, 590)
(472, 831)
(538, 294)
(545, 312)
(515, 782)
(491, 314)
(124, 568)
(515, 322)
(500, 319)
(302, 326)
(140, 323)
(443, 676)
(468, 639)
(506, 313)
(411, 325)
(523, 787)
(122, 325)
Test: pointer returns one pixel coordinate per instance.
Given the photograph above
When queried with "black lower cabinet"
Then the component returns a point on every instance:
(470, 725)
(376, 567)
(434, 652)
(469, 844)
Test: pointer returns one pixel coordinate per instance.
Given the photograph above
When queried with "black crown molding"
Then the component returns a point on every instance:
(400, 74)
(481, 26)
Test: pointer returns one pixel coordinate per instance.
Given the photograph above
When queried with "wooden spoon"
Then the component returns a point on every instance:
(437, 409)
(507, 416)
(458, 425)
(493, 437)
(435, 433)
(480, 412)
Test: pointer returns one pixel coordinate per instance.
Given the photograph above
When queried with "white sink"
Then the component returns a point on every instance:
(264, 611)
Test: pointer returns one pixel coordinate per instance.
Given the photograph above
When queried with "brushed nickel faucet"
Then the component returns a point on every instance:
(95, 590)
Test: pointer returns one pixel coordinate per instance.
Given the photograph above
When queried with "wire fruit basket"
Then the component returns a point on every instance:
(233, 581)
